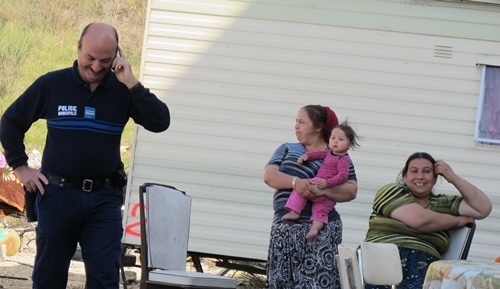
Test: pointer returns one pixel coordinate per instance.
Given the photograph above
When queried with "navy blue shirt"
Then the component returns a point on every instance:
(84, 127)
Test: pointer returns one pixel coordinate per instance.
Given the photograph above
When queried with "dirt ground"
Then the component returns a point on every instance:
(15, 271)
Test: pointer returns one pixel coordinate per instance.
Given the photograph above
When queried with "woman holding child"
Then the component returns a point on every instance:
(293, 261)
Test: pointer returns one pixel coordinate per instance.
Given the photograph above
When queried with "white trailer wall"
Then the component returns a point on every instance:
(234, 74)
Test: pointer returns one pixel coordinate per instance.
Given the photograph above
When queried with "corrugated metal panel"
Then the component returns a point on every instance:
(234, 74)
(474, 21)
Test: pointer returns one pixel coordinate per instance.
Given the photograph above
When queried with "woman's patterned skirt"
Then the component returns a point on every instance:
(295, 263)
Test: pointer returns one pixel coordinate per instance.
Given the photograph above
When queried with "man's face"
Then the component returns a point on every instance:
(95, 59)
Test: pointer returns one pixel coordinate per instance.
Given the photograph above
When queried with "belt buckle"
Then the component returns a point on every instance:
(87, 185)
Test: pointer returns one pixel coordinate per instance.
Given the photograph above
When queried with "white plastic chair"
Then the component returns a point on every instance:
(165, 217)
(381, 264)
(372, 263)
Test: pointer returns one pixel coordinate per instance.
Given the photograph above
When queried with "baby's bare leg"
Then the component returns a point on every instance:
(291, 216)
(314, 231)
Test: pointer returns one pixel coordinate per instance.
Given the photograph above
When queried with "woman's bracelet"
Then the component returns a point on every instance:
(294, 181)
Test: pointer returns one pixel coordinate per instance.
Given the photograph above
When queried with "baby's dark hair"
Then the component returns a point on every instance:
(350, 133)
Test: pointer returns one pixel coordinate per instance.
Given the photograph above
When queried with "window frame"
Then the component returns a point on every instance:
(490, 135)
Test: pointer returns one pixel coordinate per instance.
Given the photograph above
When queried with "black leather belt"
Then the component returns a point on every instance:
(86, 185)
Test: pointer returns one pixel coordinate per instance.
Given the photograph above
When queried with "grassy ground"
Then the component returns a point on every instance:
(37, 36)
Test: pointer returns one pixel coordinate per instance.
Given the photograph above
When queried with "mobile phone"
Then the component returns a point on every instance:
(30, 205)
(116, 54)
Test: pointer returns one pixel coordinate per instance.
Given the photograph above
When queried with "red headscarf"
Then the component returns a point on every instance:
(331, 119)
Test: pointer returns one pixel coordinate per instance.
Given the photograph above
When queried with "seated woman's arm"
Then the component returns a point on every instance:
(475, 204)
(428, 221)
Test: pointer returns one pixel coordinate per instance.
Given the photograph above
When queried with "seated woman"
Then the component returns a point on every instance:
(410, 215)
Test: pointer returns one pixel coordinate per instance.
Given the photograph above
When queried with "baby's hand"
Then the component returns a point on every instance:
(321, 184)
(302, 159)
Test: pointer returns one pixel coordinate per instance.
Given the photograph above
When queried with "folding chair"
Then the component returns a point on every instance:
(165, 216)
(460, 242)
(348, 266)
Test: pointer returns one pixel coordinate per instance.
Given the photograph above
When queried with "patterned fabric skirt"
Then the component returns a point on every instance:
(414, 264)
(295, 263)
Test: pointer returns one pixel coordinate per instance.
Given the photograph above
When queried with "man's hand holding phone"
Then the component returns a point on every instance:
(122, 69)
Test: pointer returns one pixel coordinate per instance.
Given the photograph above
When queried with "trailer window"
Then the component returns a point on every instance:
(488, 113)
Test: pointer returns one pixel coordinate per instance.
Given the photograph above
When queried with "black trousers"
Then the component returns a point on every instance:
(68, 216)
